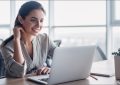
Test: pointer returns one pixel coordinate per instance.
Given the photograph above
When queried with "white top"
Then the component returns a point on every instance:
(42, 47)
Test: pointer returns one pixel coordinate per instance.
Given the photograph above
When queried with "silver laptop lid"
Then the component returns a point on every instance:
(71, 63)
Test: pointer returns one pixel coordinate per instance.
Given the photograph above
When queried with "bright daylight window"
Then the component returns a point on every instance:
(117, 10)
(79, 12)
(116, 38)
(4, 32)
(5, 12)
(4, 19)
(80, 22)
(116, 26)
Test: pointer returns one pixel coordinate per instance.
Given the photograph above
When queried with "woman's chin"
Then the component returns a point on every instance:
(35, 34)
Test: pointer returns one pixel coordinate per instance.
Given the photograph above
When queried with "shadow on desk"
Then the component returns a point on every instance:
(77, 82)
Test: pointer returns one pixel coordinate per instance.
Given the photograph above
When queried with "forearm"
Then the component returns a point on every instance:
(18, 56)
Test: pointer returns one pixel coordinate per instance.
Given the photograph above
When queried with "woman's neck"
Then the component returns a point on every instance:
(28, 39)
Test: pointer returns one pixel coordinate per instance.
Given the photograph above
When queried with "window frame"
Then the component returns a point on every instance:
(114, 22)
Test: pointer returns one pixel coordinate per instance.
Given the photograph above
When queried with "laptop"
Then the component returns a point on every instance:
(69, 64)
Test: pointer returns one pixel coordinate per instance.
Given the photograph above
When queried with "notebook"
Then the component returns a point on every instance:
(104, 70)
(69, 64)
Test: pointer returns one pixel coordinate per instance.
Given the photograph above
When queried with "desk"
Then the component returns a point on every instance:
(102, 66)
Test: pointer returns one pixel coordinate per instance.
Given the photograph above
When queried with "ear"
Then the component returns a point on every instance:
(20, 19)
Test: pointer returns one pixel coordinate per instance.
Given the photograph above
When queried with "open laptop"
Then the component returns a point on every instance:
(69, 64)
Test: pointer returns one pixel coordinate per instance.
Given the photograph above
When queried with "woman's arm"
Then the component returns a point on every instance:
(13, 68)
(18, 56)
(12, 53)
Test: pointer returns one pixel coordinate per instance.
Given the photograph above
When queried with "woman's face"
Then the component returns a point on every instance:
(33, 22)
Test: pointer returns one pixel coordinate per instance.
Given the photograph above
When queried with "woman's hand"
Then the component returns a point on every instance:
(18, 33)
(43, 70)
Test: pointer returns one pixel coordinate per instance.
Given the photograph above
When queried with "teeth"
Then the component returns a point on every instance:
(36, 30)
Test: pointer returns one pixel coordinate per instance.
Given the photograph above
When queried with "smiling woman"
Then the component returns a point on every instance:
(26, 51)
(45, 3)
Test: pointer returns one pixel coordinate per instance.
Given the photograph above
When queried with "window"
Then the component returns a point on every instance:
(115, 24)
(5, 12)
(116, 38)
(117, 10)
(81, 22)
(4, 19)
(4, 33)
(81, 36)
(88, 12)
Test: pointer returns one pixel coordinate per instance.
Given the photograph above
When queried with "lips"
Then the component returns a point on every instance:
(36, 30)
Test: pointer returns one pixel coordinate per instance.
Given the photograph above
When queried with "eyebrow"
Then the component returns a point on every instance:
(34, 18)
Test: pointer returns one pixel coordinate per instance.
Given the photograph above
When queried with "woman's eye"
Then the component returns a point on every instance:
(41, 20)
(33, 20)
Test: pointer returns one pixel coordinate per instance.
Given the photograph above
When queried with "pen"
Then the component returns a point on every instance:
(103, 75)
(93, 77)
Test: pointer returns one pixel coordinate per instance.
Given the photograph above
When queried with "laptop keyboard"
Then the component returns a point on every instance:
(44, 79)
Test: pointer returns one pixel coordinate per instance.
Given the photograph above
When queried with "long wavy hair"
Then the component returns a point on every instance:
(24, 11)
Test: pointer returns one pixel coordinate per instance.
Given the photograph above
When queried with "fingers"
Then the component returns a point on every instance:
(39, 72)
(18, 32)
(22, 30)
(43, 70)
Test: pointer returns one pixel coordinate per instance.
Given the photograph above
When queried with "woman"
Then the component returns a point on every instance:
(26, 51)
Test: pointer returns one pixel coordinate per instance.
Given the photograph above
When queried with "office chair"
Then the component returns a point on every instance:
(49, 60)
(57, 42)
(99, 54)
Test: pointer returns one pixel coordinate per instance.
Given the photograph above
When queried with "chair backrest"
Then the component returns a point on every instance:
(49, 60)
(57, 42)
(99, 55)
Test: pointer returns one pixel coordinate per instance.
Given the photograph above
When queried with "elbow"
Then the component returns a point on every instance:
(20, 75)
(15, 74)
(17, 70)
